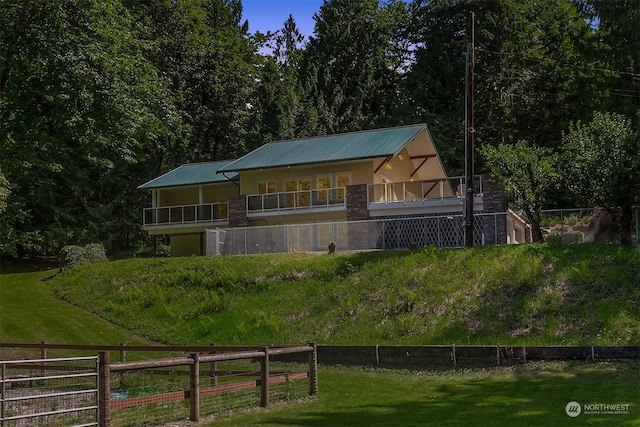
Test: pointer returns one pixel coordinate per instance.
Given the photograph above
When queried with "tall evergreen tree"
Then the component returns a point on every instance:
(531, 71)
(278, 99)
(352, 68)
(617, 27)
(202, 47)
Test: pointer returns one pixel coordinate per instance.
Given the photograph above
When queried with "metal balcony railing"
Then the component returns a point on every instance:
(406, 191)
(303, 200)
(186, 215)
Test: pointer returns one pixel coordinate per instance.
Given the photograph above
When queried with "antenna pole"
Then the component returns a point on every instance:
(469, 133)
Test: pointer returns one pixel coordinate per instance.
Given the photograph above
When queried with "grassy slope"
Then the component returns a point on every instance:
(529, 294)
(29, 312)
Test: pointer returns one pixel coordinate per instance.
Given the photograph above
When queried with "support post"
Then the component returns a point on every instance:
(264, 379)
(123, 352)
(455, 361)
(43, 355)
(313, 370)
(194, 388)
(104, 390)
(213, 369)
(469, 137)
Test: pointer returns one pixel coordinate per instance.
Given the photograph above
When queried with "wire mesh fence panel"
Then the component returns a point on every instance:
(51, 392)
(290, 381)
(229, 385)
(149, 397)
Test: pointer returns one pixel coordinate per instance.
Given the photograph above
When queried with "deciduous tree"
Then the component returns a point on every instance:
(602, 166)
(527, 175)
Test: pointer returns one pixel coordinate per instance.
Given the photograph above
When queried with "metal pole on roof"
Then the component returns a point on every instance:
(469, 143)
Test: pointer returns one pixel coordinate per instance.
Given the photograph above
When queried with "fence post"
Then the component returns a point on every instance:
(214, 369)
(104, 390)
(123, 352)
(43, 355)
(194, 388)
(313, 370)
(455, 361)
(264, 378)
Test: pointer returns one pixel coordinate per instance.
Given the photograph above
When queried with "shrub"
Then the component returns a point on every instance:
(95, 252)
(566, 236)
(73, 256)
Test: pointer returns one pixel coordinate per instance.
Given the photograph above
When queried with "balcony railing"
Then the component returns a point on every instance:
(186, 215)
(324, 199)
(407, 191)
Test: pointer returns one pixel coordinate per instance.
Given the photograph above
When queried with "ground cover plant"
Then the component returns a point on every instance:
(513, 295)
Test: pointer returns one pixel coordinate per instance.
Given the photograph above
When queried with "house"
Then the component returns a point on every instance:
(187, 201)
(332, 181)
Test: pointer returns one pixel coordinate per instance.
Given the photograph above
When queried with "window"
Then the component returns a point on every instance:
(298, 192)
(342, 181)
(324, 184)
(266, 187)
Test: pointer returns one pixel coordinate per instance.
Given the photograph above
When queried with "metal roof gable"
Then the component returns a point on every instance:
(327, 148)
(191, 174)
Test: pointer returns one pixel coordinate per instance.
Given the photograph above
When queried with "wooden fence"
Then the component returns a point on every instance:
(196, 357)
(420, 357)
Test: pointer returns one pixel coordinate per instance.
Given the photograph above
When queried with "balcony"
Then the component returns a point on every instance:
(420, 197)
(304, 201)
(208, 214)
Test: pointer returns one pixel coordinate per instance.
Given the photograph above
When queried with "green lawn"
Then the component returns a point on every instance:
(30, 313)
(535, 394)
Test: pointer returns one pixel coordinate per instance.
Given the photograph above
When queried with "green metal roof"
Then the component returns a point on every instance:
(191, 174)
(328, 148)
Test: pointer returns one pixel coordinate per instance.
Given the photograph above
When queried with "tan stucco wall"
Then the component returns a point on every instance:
(190, 195)
(303, 218)
(361, 173)
(185, 245)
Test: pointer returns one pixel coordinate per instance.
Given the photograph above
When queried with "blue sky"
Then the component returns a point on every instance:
(269, 15)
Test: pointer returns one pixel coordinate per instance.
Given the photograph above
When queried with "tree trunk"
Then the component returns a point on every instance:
(624, 225)
(535, 220)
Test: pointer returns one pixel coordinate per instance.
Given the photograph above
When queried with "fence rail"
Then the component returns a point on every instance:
(186, 215)
(454, 356)
(52, 392)
(156, 391)
(322, 199)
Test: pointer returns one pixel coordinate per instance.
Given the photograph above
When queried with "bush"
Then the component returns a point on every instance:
(73, 256)
(95, 252)
(565, 236)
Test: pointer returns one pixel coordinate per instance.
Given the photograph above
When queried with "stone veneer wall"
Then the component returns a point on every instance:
(495, 231)
(238, 211)
(357, 210)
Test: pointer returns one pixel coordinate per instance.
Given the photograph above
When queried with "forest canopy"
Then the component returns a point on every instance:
(99, 96)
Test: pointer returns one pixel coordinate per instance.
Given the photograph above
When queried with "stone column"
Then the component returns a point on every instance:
(238, 211)
(357, 210)
(494, 227)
